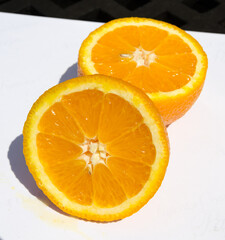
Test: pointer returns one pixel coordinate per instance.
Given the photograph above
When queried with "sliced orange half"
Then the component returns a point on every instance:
(97, 147)
(161, 59)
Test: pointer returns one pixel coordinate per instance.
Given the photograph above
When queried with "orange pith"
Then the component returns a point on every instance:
(154, 56)
(95, 149)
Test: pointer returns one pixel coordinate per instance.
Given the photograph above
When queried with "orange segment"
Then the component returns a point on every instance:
(157, 57)
(114, 69)
(54, 148)
(130, 174)
(136, 145)
(148, 78)
(100, 168)
(105, 54)
(118, 117)
(182, 63)
(57, 121)
(112, 40)
(81, 190)
(169, 79)
(59, 158)
(140, 77)
(107, 191)
(130, 34)
(151, 37)
(85, 107)
(172, 45)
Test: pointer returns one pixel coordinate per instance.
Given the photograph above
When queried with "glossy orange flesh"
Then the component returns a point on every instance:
(92, 117)
(146, 56)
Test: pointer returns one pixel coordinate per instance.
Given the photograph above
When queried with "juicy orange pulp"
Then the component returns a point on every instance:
(147, 57)
(103, 132)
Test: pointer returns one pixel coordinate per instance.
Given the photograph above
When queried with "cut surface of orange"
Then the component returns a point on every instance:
(97, 147)
(157, 57)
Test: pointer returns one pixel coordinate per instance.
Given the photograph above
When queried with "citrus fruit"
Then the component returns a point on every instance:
(161, 59)
(97, 147)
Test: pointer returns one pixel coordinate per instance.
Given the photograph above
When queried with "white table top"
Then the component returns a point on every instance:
(37, 53)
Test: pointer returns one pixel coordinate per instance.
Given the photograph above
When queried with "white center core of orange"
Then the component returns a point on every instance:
(94, 153)
(141, 57)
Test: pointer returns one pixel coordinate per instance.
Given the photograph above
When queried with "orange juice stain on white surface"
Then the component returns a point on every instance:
(51, 216)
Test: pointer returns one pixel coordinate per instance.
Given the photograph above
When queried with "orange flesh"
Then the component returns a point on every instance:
(91, 117)
(165, 63)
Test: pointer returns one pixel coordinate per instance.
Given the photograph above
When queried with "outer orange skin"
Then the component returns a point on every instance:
(177, 106)
(171, 107)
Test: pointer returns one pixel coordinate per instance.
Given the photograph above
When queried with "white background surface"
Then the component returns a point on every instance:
(37, 53)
